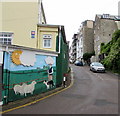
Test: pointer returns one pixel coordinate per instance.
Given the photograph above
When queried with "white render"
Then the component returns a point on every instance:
(80, 45)
(1, 57)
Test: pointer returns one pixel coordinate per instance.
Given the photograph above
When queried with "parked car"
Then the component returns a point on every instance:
(78, 63)
(97, 67)
(71, 62)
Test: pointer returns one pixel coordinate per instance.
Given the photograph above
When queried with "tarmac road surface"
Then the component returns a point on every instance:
(91, 93)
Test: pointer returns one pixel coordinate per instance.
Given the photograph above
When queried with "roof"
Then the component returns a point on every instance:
(4, 47)
(49, 25)
(43, 12)
(109, 17)
(60, 27)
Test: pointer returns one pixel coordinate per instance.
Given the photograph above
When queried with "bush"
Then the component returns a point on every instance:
(115, 35)
(87, 56)
(112, 49)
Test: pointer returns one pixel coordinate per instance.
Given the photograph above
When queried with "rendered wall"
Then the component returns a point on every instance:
(53, 31)
(20, 18)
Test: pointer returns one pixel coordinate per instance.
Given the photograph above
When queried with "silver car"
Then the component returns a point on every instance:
(97, 67)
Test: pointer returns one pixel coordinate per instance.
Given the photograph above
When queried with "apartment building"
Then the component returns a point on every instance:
(70, 54)
(74, 48)
(85, 42)
(79, 44)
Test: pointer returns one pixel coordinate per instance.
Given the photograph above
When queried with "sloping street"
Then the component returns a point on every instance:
(91, 93)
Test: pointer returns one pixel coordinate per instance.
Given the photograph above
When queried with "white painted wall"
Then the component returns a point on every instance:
(1, 57)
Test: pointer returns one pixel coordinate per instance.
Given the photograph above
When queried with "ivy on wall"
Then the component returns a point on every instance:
(112, 52)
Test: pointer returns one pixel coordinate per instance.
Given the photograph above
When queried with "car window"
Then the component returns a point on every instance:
(97, 64)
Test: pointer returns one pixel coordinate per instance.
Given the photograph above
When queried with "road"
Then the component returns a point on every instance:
(91, 93)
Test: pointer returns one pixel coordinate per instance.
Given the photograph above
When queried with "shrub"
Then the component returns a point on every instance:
(112, 49)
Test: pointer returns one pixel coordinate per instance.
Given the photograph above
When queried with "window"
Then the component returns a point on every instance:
(47, 41)
(6, 38)
(81, 50)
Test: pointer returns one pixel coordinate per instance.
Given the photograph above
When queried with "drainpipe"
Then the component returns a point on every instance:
(59, 38)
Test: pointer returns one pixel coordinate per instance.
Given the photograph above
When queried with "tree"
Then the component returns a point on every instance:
(87, 56)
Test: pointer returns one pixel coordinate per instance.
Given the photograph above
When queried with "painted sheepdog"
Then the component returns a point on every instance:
(49, 84)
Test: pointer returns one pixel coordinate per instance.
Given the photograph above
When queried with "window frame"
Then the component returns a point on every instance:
(45, 38)
(6, 38)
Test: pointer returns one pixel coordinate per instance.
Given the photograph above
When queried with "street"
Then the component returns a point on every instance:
(91, 93)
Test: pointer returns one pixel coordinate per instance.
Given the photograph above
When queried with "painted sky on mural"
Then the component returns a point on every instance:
(72, 13)
(39, 63)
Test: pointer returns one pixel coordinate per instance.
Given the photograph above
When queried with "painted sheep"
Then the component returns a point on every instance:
(24, 89)
(19, 89)
(29, 88)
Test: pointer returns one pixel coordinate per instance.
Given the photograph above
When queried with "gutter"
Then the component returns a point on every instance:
(9, 48)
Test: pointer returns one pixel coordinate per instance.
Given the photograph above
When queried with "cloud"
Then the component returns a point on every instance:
(49, 60)
(27, 58)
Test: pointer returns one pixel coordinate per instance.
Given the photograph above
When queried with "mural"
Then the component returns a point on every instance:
(24, 88)
(27, 73)
(27, 58)
(16, 57)
(49, 60)
(1, 57)
(49, 83)
(21, 57)
(1, 62)
(38, 62)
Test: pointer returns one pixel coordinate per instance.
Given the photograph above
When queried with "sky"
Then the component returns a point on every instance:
(71, 13)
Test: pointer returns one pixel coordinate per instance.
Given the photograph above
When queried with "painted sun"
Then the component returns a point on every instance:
(15, 56)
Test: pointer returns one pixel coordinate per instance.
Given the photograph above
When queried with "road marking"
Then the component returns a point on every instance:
(100, 77)
(38, 99)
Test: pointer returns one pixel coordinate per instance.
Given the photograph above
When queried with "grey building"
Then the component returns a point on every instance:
(105, 26)
(88, 36)
(85, 38)
(74, 47)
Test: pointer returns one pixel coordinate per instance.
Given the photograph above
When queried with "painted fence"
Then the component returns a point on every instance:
(25, 73)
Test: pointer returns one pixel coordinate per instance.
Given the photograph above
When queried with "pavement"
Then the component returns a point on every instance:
(33, 99)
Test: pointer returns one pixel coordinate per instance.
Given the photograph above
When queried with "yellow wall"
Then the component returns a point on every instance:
(47, 30)
(0, 15)
(20, 18)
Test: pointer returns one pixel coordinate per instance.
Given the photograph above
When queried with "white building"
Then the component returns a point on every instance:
(85, 39)
(80, 44)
